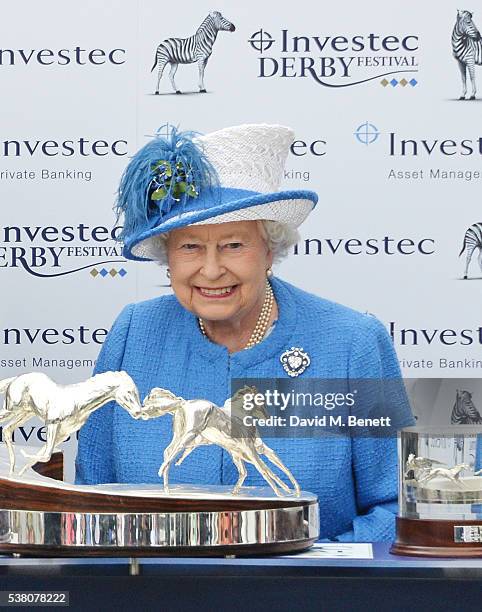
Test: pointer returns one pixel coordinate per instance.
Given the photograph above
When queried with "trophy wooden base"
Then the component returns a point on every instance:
(247, 550)
(438, 538)
(44, 517)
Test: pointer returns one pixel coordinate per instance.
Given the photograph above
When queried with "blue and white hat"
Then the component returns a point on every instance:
(232, 174)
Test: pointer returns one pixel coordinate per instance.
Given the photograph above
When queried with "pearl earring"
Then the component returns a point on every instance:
(269, 273)
(168, 274)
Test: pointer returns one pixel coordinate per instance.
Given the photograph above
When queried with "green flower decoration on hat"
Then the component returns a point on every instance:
(172, 179)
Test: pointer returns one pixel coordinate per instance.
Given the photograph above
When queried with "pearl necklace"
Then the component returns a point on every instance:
(261, 327)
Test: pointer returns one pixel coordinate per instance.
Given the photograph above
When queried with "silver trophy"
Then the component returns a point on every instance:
(40, 515)
(440, 494)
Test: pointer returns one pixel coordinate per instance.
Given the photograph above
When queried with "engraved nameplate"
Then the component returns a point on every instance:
(467, 533)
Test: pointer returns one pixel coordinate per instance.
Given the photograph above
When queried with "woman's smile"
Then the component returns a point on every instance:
(216, 292)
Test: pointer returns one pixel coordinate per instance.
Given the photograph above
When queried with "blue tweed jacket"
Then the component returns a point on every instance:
(159, 344)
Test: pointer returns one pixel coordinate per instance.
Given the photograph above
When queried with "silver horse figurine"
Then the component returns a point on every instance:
(200, 422)
(453, 474)
(420, 466)
(423, 471)
(63, 409)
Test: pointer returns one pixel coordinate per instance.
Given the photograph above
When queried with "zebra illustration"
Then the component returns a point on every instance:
(196, 48)
(467, 48)
(472, 241)
(464, 412)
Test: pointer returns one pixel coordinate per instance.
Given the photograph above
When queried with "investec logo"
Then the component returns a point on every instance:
(62, 57)
(54, 149)
(336, 60)
(75, 147)
(53, 251)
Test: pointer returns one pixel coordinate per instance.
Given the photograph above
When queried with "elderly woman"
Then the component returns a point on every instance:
(210, 208)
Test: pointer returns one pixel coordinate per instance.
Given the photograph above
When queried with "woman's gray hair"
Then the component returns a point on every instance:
(279, 238)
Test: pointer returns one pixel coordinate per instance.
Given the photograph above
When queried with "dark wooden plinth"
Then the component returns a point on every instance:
(53, 468)
(152, 551)
(19, 495)
(434, 538)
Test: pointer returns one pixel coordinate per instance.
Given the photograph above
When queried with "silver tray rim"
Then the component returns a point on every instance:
(170, 530)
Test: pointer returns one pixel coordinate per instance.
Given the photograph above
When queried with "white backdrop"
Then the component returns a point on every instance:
(78, 99)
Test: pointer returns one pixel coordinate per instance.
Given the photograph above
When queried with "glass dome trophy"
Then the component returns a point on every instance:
(440, 476)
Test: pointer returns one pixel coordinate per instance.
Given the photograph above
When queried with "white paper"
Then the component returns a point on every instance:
(333, 550)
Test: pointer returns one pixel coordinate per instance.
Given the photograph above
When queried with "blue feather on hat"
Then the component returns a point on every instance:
(163, 174)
